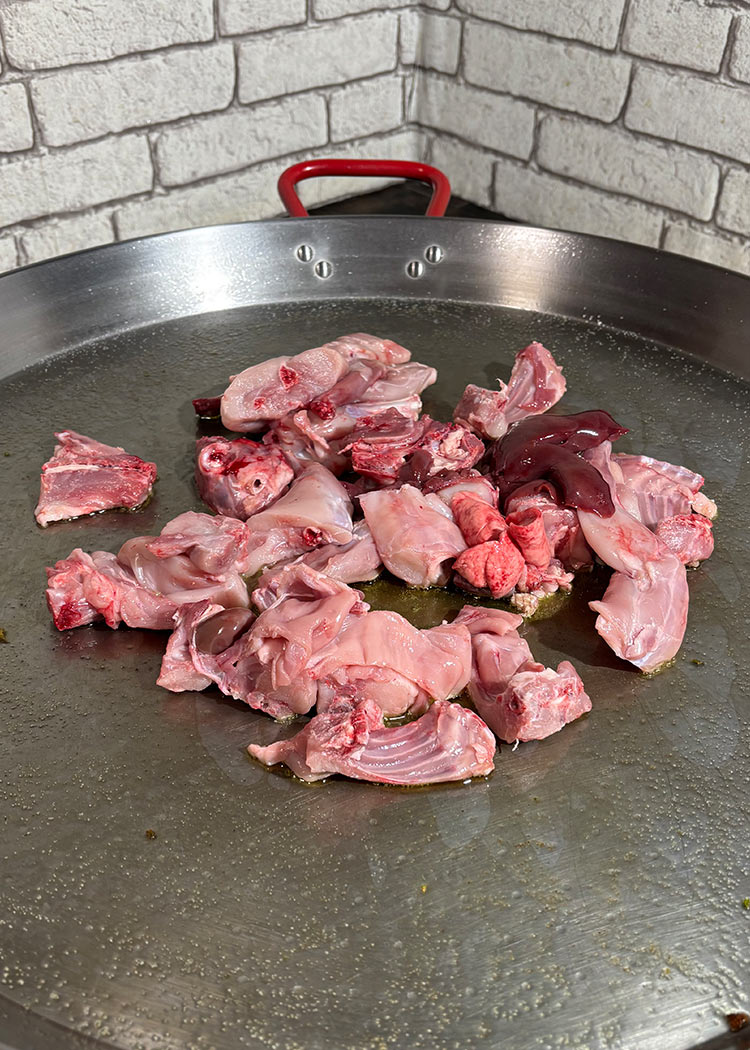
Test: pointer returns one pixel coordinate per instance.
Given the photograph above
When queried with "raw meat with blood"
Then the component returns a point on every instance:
(518, 698)
(316, 510)
(561, 524)
(196, 557)
(643, 613)
(536, 383)
(444, 448)
(380, 444)
(85, 476)
(526, 528)
(415, 535)
(494, 567)
(271, 389)
(447, 743)
(240, 477)
(478, 520)
(688, 536)
(355, 562)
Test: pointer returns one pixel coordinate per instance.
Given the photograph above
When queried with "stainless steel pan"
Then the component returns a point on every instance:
(589, 894)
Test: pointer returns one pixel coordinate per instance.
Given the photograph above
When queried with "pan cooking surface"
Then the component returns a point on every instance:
(588, 894)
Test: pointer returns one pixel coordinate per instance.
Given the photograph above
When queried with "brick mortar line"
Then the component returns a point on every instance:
(574, 115)
(673, 213)
(142, 197)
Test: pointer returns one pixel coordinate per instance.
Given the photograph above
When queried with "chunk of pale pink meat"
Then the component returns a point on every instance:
(536, 383)
(359, 345)
(447, 743)
(561, 524)
(518, 698)
(643, 614)
(353, 562)
(688, 536)
(651, 489)
(493, 567)
(241, 477)
(398, 383)
(436, 661)
(271, 389)
(316, 510)
(85, 476)
(195, 558)
(84, 588)
(272, 665)
(203, 633)
(415, 535)
(447, 486)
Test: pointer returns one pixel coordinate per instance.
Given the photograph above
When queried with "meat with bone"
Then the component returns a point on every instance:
(85, 476)
(643, 614)
(315, 510)
(536, 383)
(241, 477)
(380, 444)
(652, 490)
(273, 388)
(195, 558)
(518, 698)
(447, 743)
(688, 536)
(443, 449)
(415, 535)
(185, 655)
(385, 658)
(355, 562)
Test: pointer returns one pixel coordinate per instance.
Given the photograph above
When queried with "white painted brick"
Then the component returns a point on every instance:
(616, 160)
(681, 32)
(567, 76)
(496, 121)
(78, 104)
(240, 138)
(593, 21)
(16, 131)
(739, 65)
(337, 8)
(708, 246)
(688, 109)
(61, 236)
(8, 254)
(438, 43)
(313, 57)
(44, 33)
(365, 108)
(547, 201)
(74, 179)
(469, 170)
(409, 27)
(734, 203)
(249, 195)
(252, 16)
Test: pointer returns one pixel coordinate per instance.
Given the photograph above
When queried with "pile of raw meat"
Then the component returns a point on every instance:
(348, 479)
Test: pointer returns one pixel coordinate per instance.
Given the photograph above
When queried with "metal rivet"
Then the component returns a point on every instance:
(323, 269)
(415, 268)
(434, 254)
(305, 253)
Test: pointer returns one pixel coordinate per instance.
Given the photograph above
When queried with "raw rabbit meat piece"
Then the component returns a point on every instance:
(241, 477)
(446, 486)
(415, 535)
(518, 698)
(360, 346)
(688, 536)
(447, 743)
(536, 383)
(444, 448)
(355, 562)
(195, 557)
(314, 511)
(643, 614)
(494, 567)
(413, 666)
(85, 476)
(652, 490)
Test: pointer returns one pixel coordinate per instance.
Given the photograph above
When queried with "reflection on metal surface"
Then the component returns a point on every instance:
(434, 254)
(305, 253)
(415, 268)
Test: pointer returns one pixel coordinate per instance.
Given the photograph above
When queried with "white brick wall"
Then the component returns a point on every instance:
(626, 118)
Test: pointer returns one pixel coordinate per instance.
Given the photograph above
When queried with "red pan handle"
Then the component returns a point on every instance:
(399, 169)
